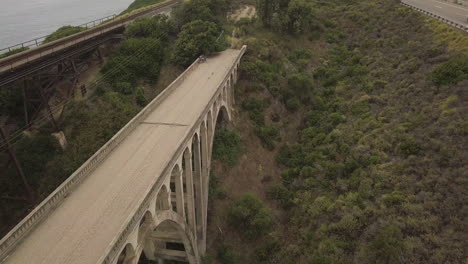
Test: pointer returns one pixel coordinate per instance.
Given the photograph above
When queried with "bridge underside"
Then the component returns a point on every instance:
(147, 198)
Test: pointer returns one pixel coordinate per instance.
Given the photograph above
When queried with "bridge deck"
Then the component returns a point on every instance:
(83, 226)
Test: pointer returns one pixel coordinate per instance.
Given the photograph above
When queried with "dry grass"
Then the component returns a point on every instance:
(455, 39)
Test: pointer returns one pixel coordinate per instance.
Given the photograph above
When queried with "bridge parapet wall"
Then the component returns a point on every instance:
(20, 231)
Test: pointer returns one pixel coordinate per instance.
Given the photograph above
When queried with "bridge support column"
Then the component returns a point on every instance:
(231, 93)
(189, 185)
(150, 250)
(205, 179)
(180, 193)
(199, 205)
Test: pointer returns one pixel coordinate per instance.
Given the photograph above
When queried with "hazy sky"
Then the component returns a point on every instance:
(23, 20)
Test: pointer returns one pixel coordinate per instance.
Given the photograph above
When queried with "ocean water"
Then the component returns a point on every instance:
(23, 20)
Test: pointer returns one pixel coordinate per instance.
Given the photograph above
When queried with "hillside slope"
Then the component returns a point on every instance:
(378, 173)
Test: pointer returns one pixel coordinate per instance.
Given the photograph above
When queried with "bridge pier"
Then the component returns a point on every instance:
(204, 177)
(198, 186)
(189, 183)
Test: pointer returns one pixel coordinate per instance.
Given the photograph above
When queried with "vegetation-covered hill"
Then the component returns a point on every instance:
(379, 171)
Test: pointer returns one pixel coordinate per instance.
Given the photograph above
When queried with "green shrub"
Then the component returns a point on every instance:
(196, 38)
(299, 17)
(386, 247)
(268, 135)
(267, 250)
(158, 27)
(250, 216)
(409, 147)
(300, 84)
(227, 146)
(34, 153)
(255, 107)
(63, 32)
(195, 10)
(226, 255)
(451, 72)
(393, 199)
(281, 194)
(13, 52)
(140, 3)
(124, 88)
(293, 104)
(11, 101)
(140, 97)
(135, 59)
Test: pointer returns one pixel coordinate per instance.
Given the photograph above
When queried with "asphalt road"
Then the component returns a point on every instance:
(453, 12)
(80, 229)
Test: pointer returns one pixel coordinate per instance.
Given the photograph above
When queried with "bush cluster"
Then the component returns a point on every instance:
(63, 32)
(227, 146)
(250, 216)
(378, 147)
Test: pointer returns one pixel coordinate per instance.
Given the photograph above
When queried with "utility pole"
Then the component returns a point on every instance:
(11, 151)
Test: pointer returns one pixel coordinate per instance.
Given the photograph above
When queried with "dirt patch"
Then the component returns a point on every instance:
(247, 11)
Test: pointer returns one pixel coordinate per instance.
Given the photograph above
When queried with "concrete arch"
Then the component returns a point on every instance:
(145, 223)
(127, 255)
(162, 199)
(170, 229)
(177, 190)
(223, 113)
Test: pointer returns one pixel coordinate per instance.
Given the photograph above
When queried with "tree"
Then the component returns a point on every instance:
(294, 17)
(193, 10)
(251, 216)
(158, 27)
(451, 72)
(135, 59)
(266, 10)
(387, 247)
(196, 38)
(299, 17)
(63, 32)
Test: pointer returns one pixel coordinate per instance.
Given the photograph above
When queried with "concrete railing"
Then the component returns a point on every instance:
(14, 237)
(439, 17)
(133, 221)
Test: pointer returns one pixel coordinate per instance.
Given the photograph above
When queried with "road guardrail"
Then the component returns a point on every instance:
(439, 17)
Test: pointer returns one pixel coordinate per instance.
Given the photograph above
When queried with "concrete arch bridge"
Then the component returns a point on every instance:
(144, 194)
